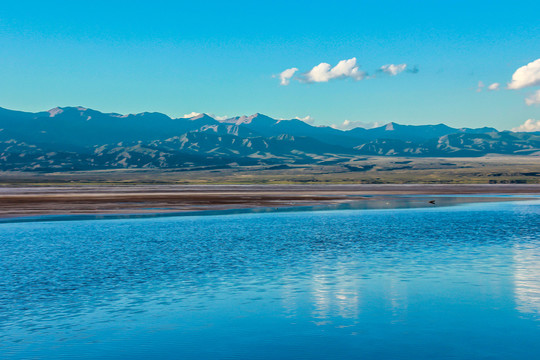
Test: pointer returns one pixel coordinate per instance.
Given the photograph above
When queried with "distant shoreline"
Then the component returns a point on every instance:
(170, 200)
(366, 170)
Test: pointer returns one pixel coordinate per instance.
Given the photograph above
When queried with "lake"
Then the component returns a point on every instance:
(460, 282)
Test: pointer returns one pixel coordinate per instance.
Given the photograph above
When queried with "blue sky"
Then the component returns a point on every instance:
(223, 58)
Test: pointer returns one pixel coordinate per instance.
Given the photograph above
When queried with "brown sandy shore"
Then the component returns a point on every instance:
(18, 202)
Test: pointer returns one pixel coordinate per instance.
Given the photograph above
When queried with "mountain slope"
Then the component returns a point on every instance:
(77, 138)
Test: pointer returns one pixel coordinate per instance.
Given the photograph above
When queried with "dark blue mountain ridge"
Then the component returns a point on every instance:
(91, 126)
(79, 138)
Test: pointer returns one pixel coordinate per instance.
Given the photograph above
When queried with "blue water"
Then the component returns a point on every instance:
(439, 283)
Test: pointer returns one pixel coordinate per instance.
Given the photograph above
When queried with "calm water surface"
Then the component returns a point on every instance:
(440, 283)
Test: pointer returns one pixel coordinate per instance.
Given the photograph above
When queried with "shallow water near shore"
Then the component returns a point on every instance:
(442, 282)
(358, 202)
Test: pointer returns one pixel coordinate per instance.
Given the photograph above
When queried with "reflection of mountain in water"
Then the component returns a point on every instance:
(335, 293)
(527, 279)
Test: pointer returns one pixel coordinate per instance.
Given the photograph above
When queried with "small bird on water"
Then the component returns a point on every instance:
(432, 202)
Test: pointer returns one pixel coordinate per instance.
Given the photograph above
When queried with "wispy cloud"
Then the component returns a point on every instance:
(393, 69)
(533, 99)
(528, 126)
(525, 76)
(217, 117)
(191, 114)
(307, 119)
(492, 87)
(480, 86)
(348, 125)
(285, 76)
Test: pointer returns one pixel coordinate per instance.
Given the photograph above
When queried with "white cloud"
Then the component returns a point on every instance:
(213, 116)
(348, 68)
(285, 76)
(393, 69)
(348, 125)
(527, 126)
(324, 72)
(533, 99)
(307, 119)
(191, 114)
(528, 75)
(494, 87)
(320, 73)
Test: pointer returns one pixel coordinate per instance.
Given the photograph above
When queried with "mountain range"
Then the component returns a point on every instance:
(77, 138)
